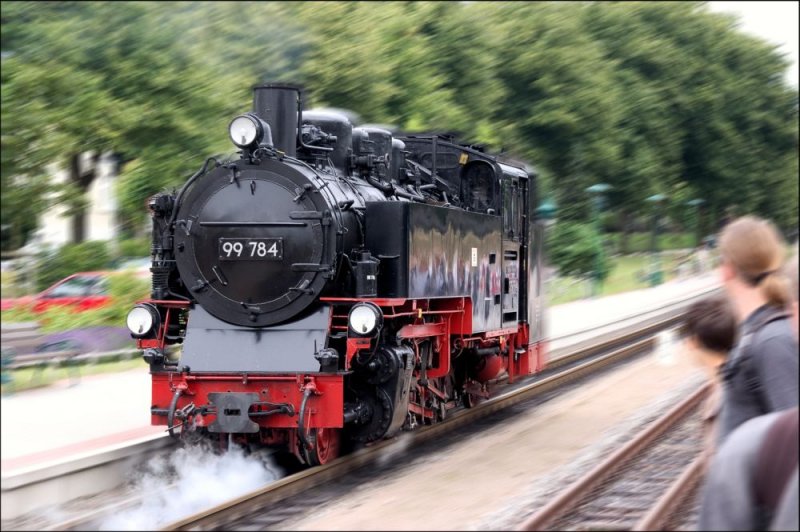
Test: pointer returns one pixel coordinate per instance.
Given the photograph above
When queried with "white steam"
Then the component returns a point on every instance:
(189, 480)
(391, 452)
(666, 347)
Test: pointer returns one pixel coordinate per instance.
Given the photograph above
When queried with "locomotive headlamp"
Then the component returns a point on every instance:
(365, 319)
(244, 130)
(142, 320)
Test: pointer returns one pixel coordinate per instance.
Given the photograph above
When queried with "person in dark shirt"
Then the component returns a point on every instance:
(748, 489)
(710, 336)
(761, 374)
(752, 482)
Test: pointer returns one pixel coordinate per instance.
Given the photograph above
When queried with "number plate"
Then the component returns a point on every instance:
(251, 249)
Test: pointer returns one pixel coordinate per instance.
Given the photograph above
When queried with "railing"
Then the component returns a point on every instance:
(54, 358)
(20, 339)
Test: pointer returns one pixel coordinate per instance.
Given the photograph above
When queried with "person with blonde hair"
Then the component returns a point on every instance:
(761, 374)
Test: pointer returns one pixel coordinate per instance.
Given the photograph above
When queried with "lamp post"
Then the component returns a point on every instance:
(656, 276)
(545, 215)
(546, 212)
(697, 203)
(596, 191)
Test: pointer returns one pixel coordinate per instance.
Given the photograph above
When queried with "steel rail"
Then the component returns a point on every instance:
(573, 353)
(657, 518)
(577, 491)
(83, 521)
(570, 355)
(222, 515)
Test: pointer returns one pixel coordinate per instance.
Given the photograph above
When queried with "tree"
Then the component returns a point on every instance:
(576, 250)
(97, 77)
(650, 97)
(561, 99)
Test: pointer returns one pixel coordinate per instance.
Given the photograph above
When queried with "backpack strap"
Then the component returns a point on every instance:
(777, 461)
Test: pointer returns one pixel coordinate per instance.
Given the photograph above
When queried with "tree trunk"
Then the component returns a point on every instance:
(82, 178)
(627, 228)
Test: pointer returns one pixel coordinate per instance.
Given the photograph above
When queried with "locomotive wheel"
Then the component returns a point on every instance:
(472, 399)
(325, 444)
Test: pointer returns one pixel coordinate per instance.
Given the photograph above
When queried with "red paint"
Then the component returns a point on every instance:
(324, 409)
(381, 302)
(422, 330)
(66, 293)
(354, 345)
(493, 365)
(438, 321)
(172, 310)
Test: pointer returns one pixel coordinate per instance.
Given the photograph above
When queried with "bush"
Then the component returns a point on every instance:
(134, 247)
(125, 290)
(72, 258)
(640, 242)
(19, 314)
(574, 249)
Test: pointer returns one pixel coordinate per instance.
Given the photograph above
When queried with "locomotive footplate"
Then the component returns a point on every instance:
(232, 411)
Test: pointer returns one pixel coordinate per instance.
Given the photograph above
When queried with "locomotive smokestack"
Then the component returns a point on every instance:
(279, 106)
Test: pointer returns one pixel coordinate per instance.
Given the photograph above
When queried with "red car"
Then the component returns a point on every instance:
(82, 291)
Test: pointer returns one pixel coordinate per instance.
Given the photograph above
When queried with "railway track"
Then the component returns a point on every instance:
(642, 485)
(260, 509)
(565, 355)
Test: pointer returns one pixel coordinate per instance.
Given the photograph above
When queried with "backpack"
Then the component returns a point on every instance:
(776, 463)
(742, 359)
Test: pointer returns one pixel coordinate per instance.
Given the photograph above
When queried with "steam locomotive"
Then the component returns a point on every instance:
(335, 284)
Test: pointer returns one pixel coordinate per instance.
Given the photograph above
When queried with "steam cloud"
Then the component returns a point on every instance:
(666, 347)
(189, 480)
(390, 453)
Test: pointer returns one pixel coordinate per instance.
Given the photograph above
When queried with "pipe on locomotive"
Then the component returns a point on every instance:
(171, 413)
(301, 425)
(281, 106)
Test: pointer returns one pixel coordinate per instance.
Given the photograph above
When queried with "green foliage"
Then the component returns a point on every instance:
(19, 314)
(72, 258)
(124, 289)
(649, 97)
(134, 247)
(641, 242)
(575, 250)
(104, 76)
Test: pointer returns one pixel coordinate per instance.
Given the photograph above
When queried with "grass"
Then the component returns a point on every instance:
(627, 273)
(640, 242)
(39, 377)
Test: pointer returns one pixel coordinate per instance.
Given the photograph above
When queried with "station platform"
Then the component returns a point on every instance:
(54, 423)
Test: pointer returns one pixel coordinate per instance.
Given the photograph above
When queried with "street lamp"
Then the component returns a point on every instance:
(656, 276)
(696, 203)
(596, 191)
(546, 213)
(545, 216)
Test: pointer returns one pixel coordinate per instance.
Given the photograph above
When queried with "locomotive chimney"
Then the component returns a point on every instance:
(279, 106)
